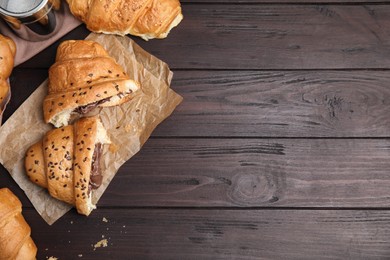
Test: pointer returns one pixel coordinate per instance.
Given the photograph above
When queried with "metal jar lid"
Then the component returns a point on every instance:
(21, 8)
(33, 20)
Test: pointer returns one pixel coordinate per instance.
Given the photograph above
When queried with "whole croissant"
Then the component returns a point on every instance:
(66, 162)
(15, 240)
(145, 18)
(84, 76)
(7, 54)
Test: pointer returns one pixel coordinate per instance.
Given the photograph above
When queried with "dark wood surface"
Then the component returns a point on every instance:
(280, 149)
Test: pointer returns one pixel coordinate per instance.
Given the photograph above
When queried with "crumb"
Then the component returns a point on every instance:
(46, 249)
(105, 220)
(124, 226)
(108, 229)
(80, 255)
(71, 222)
(68, 231)
(101, 243)
(52, 258)
(113, 148)
(102, 236)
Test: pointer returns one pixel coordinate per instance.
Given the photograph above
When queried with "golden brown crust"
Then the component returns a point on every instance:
(85, 138)
(7, 54)
(35, 165)
(57, 150)
(83, 74)
(62, 161)
(145, 18)
(15, 240)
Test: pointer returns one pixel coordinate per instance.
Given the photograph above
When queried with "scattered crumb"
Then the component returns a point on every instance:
(102, 236)
(71, 222)
(52, 258)
(46, 249)
(105, 220)
(113, 148)
(80, 255)
(68, 231)
(108, 229)
(124, 226)
(101, 243)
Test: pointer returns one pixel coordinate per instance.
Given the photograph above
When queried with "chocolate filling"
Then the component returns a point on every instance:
(96, 177)
(89, 107)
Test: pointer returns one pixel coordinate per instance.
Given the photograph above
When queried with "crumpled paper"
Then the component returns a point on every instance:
(128, 125)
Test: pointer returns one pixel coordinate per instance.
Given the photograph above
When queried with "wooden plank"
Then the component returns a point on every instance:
(254, 173)
(215, 234)
(267, 36)
(328, 173)
(280, 104)
(277, 37)
(277, 2)
(264, 103)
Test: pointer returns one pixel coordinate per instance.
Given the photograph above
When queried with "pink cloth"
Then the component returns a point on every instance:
(26, 49)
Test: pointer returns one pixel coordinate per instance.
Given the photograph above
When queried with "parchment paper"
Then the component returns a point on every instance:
(128, 125)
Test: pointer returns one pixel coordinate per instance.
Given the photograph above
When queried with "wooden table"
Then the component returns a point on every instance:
(280, 149)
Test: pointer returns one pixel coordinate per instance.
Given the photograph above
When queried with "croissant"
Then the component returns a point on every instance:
(83, 77)
(145, 18)
(7, 54)
(67, 162)
(15, 240)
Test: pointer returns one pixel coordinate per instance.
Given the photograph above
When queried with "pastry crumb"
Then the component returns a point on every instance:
(101, 243)
(71, 222)
(52, 258)
(80, 255)
(105, 220)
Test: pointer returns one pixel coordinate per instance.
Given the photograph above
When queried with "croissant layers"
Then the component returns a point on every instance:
(145, 18)
(66, 162)
(83, 77)
(15, 240)
(7, 54)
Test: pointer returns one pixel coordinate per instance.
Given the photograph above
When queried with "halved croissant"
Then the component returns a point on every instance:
(15, 240)
(84, 76)
(145, 18)
(66, 162)
(7, 54)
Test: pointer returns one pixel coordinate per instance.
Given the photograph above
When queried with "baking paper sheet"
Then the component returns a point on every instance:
(128, 125)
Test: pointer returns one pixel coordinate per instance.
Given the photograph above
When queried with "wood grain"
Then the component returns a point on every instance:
(264, 103)
(254, 173)
(265, 36)
(280, 104)
(278, 2)
(278, 37)
(215, 234)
